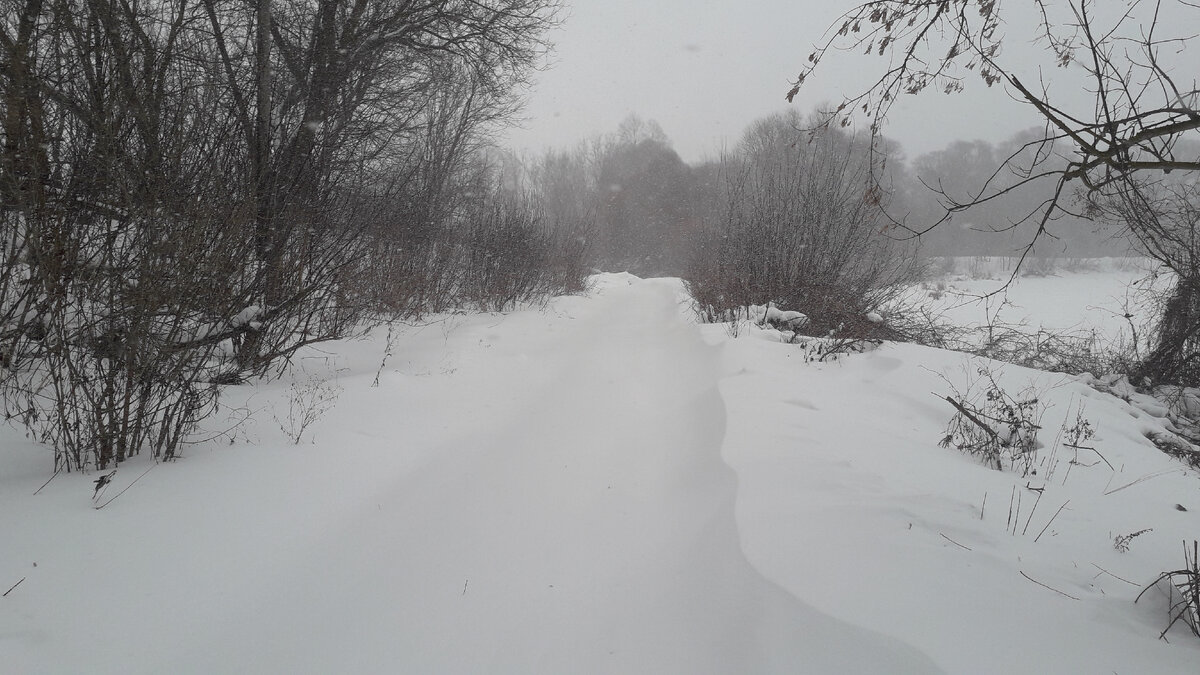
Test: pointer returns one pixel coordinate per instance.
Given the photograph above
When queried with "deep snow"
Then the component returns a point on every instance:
(600, 485)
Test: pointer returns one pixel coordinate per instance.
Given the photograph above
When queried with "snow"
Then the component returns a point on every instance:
(770, 313)
(248, 317)
(846, 500)
(602, 485)
(1085, 296)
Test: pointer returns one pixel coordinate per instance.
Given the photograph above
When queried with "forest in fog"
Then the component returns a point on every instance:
(647, 210)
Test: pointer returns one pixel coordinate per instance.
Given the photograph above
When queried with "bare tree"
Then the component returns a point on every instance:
(1097, 159)
(359, 95)
(188, 188)
(1139, 110)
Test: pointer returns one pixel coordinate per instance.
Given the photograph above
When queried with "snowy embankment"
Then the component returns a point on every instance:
(600, 486)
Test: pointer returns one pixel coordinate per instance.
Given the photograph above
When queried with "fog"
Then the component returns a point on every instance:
(706, 69)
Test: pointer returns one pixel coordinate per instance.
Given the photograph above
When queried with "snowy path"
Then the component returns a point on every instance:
(551, 492)
(594, 532)
(568, 513)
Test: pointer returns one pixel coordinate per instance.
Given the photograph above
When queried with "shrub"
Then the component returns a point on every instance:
(989, 423)
(801, 229)
(492, 253)
(509, 256)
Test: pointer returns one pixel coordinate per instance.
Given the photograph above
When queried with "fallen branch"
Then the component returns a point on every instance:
(1088, 447)
(967, 414)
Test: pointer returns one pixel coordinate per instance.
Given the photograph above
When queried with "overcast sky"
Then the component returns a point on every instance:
(705, 69)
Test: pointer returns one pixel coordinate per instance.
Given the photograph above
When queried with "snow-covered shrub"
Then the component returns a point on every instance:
(832, 348)
(802, 228)
(771, 315)
(993, 425)
(1056, 351)
(1073, 352)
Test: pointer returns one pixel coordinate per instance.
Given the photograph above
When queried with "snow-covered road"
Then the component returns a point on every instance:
(592, 531)
(551, 492)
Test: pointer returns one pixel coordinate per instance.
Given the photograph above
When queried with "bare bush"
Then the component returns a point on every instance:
(1040, 266)
(308, 401)
(510, 256)
(802, 229)
(995, 426)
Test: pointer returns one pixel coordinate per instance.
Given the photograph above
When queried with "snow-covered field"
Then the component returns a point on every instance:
(602, 485)
(1077, 296)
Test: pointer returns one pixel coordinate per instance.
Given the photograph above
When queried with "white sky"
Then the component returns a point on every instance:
(705, 69)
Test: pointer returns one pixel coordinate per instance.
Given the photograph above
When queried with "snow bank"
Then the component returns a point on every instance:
(846, 500)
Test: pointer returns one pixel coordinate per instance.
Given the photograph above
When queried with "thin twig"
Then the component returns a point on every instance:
(52, 477)
(1115, 576)
(1088, 447)
(1011, 497)
(1065, 595)
(1017, 518)
(10, 590)
(125, 488)
(1142, 479)
(1031, 512)
(954, 542)
(1035, 539)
